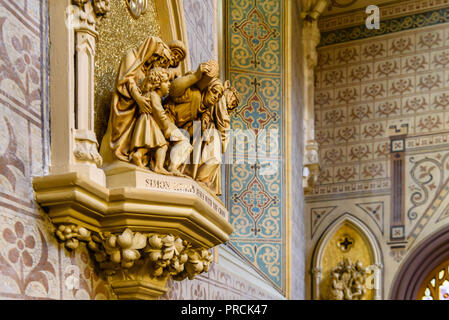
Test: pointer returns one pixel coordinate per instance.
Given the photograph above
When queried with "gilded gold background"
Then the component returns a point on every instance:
(333, 255)
(118, 32)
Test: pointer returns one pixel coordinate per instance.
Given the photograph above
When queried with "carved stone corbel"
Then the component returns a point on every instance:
(137, 265)
(142, 229)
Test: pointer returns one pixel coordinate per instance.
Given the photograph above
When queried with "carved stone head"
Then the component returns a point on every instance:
(157, 78)
(213, 93)
(178, 52)
(232, 96)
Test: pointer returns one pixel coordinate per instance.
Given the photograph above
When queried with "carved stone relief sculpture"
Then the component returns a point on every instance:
(348, 281)
(146, 203)
(191, 124)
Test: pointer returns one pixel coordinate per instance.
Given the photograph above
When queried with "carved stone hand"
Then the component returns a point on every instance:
(144, 104)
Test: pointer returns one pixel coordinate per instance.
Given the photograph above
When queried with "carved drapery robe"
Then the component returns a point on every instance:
(208, 170)
(147, 131)
(124, 109)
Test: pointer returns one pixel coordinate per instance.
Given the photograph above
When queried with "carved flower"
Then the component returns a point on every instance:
(22, 244)
(124, 248)
(199, 261)
(26, 62)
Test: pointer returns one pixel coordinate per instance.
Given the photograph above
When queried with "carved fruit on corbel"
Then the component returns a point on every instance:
(71, 235)
(199, 261)
(166, 254)
(124, 249)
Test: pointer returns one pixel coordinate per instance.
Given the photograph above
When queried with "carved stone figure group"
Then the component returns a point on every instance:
(348, 281)
(167, 122)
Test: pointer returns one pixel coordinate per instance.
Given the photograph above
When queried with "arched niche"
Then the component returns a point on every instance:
(327, 255)
(426, 256)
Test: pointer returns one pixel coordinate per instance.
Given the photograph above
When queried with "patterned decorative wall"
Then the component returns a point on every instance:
(255, 196)
(32, 266)
(216, 284)
(387, 26)
(201, 30)
(369, 85)
(364, 88)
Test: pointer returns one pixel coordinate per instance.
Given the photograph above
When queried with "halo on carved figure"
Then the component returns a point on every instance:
(137, 7)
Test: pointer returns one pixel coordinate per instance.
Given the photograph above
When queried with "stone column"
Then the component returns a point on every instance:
(86, 156)
(73, 37)
(316, 281)
(310, 39)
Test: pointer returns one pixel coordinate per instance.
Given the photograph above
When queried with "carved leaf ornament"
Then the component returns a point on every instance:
(167, 255)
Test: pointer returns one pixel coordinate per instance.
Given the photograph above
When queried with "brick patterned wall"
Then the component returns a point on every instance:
(364, 87)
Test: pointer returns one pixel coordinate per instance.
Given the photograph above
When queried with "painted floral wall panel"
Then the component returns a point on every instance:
(32, 265)
(255, 194)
